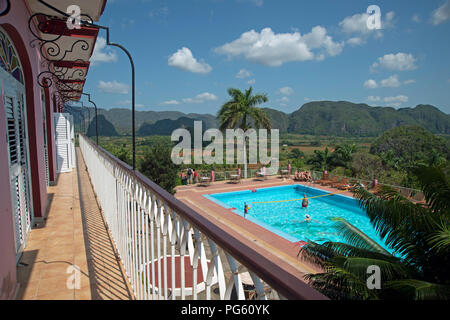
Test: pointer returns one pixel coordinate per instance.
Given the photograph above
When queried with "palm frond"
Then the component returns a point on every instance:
(357, 238)
(359, 266)
(339, 284)
(414, 289)
(347, 250)
(440, 240)
(399, 222)
(317, 254)
(435, 186)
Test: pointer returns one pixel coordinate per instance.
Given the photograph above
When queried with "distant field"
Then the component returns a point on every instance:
(308, 143)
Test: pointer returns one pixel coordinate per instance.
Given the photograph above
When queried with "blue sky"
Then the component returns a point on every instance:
(188, 52)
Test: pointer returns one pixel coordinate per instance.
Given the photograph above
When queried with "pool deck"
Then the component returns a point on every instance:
(280, 250)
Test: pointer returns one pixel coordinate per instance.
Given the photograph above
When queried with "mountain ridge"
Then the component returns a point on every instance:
(341, 118)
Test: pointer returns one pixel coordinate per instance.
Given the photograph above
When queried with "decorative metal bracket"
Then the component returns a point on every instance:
(6, 10)
(88, 22)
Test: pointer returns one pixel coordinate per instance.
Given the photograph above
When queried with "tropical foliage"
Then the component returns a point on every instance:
(157, 165)
(342, 156)
(407, 146)
(242, 111)
(417, 234)
(321, 160)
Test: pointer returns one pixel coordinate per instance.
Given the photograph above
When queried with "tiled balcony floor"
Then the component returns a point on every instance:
(73, 236)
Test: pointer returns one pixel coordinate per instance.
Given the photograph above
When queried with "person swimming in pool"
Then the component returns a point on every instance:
(246, 208)
(305, 202)
(307, 219)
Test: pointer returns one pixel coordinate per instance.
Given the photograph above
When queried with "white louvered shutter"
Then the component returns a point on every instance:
(18, 165)
(64, 145)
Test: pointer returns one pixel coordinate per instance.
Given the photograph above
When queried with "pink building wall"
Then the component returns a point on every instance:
(15, 23)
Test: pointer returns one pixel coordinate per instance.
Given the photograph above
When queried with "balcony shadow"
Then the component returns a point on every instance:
(24, 269)
(107, 278)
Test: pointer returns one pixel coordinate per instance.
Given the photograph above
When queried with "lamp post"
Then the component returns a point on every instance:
(95, 107)
(80, 113)
(89, 115)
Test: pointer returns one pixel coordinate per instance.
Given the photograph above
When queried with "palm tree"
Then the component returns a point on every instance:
(321, 160)
(241, 112)
(343, 154)
(418, 235)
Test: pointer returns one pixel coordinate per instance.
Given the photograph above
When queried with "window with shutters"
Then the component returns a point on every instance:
(13, 95)
(11, 130)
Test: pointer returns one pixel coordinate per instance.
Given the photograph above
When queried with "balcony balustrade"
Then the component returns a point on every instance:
(169, 251)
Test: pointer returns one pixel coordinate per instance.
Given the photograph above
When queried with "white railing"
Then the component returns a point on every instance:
(170, 251)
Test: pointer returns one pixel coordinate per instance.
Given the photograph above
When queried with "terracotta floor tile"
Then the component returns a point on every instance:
(28, 290)
(55, 284)
(60, 243)
(59, 256)
(84, 293)
(30, 256)
(55, 269)
(73, 233)
(30, 273)
(57, 295)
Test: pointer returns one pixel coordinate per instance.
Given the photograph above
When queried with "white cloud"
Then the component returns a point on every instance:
(284, 99)
(159, 12)
(101, 53)
(395, 101)
(122, 103)
(127, 103)
(409, 81)
(356, 26)
(391, 82)
(251, 81)
(441, 14)
(355, 41)
(258, 3)
(113, 87)
(371, 84)
(200, 98)
(169, 102)
(400, 62)
(373, 99)
(287, 91)
(416, 18)
(392, 101)
(243, 74)
(184, 60)
(271, 49)
(318, 38)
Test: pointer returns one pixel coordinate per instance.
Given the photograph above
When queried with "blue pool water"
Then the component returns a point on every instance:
(286, 218)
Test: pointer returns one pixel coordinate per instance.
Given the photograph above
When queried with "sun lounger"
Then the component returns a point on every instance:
(235, 178)
(284, 173)
(330, 181)
(260, 175)
(325, 178)
(342, 182)
(205, 181)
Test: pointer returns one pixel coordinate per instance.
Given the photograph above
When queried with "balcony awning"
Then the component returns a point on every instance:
(92, 8)
(66, 51)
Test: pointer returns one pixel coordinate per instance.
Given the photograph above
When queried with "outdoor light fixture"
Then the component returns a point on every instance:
(66, 73)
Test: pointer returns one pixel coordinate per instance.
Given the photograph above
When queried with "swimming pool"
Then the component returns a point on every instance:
(286, 219)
